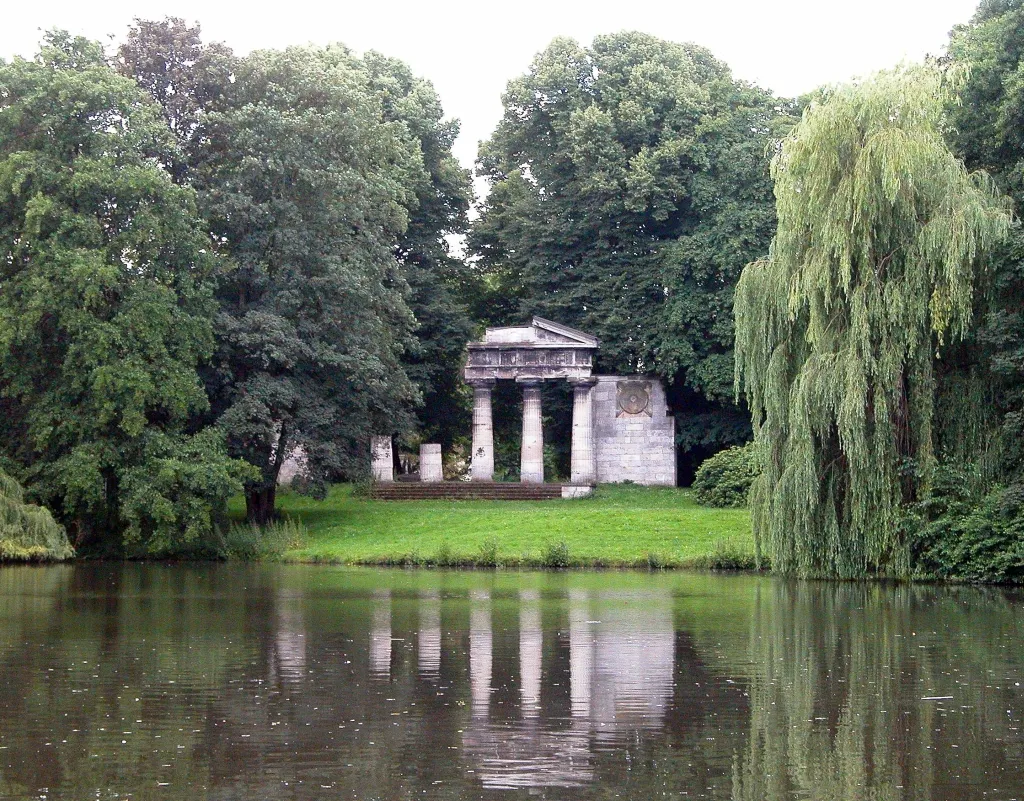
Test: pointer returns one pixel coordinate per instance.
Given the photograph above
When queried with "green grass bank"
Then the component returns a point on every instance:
(619, 526)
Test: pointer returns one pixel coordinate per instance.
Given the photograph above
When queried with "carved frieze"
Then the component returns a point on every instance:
(543, 350)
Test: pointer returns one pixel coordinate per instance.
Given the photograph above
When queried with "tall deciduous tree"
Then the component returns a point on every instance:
(105, 309)
(307, 188)
(988, 133)
(439, 282)
(629, 187)
(871, 273)
(322, 170)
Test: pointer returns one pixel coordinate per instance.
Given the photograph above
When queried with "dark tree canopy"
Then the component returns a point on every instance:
(329, 185)
(186, 77)
(439, 283)
(988, 132)
(629, 186)
(307, 189)
(105, 310)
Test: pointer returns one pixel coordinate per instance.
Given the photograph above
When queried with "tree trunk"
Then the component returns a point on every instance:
(259, 505)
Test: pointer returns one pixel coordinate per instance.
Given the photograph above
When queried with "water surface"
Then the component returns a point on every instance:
(281, 682)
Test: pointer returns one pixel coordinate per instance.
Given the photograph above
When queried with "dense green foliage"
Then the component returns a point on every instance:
(959, 532)
(106, 310)
(439, 283)
(28, 532)
(724, 479)
(211, 262)
(971, 530)
(211, 257)
(629, 186)
(306, 189)
(871, 272)
(329, 185)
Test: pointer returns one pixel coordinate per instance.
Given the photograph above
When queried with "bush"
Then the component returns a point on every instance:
(488, 553)
(251, 542)
(28, 533)
(556, 556)
(725, 479)
(957, 534)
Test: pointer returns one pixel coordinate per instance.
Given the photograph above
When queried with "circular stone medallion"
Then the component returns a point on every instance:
(633, 396)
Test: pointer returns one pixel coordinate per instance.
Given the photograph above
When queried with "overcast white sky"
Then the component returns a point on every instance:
(470, 50)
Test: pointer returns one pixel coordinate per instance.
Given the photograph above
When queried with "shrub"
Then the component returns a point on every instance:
(556, 556)
(444, 556)
(728, 555)
(488, 553)
(958, 534)
(247, 541)
(725, 479)
(28, 532)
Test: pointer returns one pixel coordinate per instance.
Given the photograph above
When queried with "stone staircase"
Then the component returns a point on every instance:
(464, 491)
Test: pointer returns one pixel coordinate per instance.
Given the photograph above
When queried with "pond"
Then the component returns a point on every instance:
(310, 682)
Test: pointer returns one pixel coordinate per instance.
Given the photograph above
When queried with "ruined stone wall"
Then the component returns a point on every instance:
(634, 434)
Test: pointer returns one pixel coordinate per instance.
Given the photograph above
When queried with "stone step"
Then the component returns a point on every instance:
(462, 490)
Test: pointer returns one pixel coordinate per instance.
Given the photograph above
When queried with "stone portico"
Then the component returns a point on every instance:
(622, 429)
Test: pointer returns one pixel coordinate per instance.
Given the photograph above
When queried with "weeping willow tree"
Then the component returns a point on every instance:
(881, 233)
(28, 532)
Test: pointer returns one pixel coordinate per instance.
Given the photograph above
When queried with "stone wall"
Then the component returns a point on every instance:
(634, 432)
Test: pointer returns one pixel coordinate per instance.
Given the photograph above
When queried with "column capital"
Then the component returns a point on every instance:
(529, 382)
(589, 381)
(482, 383)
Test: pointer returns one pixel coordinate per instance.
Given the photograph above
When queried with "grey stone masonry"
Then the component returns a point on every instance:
(482, 457)
(430, 463)
(583, 465)
(634, 432)
(531, 462)
(380, 454)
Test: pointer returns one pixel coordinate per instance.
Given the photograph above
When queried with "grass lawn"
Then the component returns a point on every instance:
(619, 526)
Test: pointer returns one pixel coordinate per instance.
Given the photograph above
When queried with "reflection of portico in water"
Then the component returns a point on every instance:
(380, 634)
(620, 664)
(621, 661)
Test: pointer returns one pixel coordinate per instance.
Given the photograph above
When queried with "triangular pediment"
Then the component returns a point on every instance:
(556, 332)
(540, 333)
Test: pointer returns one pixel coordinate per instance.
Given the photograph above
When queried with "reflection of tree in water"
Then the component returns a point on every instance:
(837, 694)
(111, 685)
(287, 683)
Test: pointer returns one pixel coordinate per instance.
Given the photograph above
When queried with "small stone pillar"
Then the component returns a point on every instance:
(583, 468)
(531, 464)
(380, 453)
(482, 457)
(430, 463)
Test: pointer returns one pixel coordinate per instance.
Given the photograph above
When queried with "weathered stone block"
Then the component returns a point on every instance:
(430, 463)
(635, 443)
(383, 465)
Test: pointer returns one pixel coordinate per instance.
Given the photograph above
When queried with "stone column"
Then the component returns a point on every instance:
(584, 456)
(380, 453)
(482, 458)
(430, 463)
(531, 463)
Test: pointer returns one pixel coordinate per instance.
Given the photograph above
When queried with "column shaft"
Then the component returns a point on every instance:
(583, 463)
(482, 457)
(531, 465)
